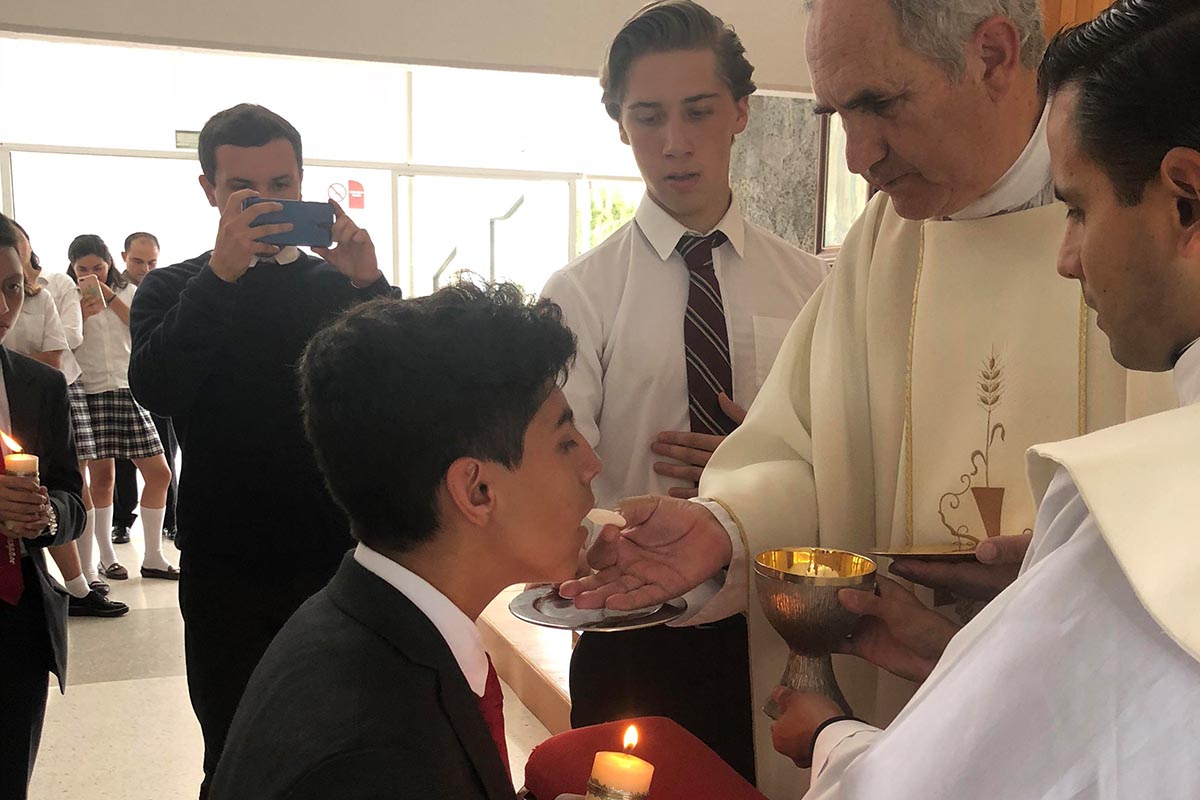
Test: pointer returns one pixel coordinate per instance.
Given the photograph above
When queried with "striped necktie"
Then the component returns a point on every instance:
(705, 338)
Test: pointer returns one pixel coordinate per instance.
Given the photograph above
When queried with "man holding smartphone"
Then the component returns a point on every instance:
(215, 343)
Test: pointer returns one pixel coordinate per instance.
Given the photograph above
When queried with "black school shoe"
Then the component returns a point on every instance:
(94, 605)
(120, 534)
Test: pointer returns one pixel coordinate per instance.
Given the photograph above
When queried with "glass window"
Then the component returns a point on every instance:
(366, 195)
(58, 197)
(517, 229)
(507, 120)
(103, 95)
(846, 194)
(603, 207)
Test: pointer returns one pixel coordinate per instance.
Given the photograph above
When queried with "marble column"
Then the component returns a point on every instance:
(774, 168)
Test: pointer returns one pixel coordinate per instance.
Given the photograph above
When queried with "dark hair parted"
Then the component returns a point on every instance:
(1135, 67)
(395, 391)
(34, 261)
(668, 25)
(244, 125)
(8, 233)
(89, 244)
(133, 237)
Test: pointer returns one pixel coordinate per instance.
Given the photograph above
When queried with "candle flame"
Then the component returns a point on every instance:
(10, 442)
(631, 737)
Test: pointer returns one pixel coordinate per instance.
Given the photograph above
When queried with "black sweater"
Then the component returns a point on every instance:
(220, 360)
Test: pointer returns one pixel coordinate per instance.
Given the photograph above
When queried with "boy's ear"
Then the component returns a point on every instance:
(468, 490)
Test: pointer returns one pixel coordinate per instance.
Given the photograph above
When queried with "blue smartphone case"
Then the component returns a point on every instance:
(313, 222)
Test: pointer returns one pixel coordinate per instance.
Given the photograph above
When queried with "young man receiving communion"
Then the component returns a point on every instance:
(441, 430)
(1081, 679)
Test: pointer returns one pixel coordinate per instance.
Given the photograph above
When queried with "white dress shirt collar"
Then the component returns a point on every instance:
(285, 256)
(455, 627)
(664, 231)
(1027, 183)
(1187, 375)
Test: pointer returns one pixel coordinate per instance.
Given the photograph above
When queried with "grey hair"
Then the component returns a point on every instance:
(939, 29)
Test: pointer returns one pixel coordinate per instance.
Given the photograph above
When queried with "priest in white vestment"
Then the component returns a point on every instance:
(939, 349)
(1081, 680)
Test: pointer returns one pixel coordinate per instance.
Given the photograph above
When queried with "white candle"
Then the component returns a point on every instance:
(21, 464)
(622, 772)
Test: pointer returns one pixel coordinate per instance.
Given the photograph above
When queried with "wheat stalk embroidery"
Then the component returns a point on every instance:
(991, 392)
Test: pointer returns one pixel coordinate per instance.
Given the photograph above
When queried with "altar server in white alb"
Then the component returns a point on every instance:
(1081, 679)
(679, 316)
(940, 348)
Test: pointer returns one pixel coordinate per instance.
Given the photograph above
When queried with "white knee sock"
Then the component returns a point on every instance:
(86, 545)
(152, 526)
(104, 516)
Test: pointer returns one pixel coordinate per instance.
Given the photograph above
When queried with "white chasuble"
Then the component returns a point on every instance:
(997, 360)
(997, 365)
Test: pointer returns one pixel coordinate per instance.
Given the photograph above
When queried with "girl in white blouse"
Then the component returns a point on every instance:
(123, 429)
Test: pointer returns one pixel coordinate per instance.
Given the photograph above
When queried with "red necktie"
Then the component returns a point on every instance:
(12, 582)
(705, 337)
(491, 706)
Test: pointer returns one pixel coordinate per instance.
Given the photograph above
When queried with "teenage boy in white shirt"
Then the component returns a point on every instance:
(672, 348)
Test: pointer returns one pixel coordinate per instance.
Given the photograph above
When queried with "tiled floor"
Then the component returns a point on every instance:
(125, 728)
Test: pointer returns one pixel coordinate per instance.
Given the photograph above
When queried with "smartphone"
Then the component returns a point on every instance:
(89, 286)
(313, 222)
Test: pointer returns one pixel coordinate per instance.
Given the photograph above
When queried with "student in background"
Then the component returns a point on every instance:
(140, 256)
(122, 428)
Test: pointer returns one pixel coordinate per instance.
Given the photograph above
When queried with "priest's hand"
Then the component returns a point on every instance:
(692, 449)
(801, 713)
(897, 632)
(669, 547)
(997, 562)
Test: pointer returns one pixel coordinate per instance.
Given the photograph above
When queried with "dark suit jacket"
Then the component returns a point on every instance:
(359, 697)
(41, 421)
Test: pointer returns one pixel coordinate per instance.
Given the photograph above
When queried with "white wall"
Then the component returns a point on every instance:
(557, 36)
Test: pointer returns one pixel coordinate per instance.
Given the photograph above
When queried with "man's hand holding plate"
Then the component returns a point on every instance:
(668, 547)
(997, 562)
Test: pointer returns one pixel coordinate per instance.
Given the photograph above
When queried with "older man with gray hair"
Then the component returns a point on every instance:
(942, 346)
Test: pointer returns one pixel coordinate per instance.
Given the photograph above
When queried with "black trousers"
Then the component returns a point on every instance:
(125, 493)
(26, 657)
(232, 608)
(697, 676)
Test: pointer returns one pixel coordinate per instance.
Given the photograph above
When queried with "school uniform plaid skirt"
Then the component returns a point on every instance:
(122, 428)
(81, 422)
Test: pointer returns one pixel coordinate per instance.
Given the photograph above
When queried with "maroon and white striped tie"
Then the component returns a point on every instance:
(705, 337)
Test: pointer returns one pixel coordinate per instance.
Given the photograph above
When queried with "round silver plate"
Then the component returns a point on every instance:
(543, 605)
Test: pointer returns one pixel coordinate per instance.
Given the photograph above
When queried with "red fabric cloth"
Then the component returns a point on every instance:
(491, 706)
(684, 767)
(12, 581)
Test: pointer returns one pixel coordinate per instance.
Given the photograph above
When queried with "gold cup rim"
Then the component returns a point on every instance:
(867, 567)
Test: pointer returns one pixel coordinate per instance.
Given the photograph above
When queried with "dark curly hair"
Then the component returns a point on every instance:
(395, 391)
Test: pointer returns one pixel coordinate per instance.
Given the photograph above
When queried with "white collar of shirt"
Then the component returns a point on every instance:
(664, 231)
(1026, 183)
(455, 627)
(1187, 375)
(285, 256)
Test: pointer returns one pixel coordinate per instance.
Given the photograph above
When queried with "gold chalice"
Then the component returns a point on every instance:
(798, 588)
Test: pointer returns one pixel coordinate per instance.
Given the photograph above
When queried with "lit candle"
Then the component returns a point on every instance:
(620, 776)
(21, 464)
(26, 466)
